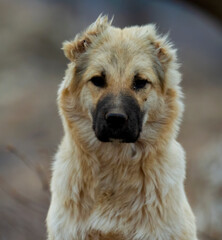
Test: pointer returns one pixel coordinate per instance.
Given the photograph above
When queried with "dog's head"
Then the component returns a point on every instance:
(121, 84)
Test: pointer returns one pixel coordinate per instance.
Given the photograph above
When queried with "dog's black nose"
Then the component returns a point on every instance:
(116, 120)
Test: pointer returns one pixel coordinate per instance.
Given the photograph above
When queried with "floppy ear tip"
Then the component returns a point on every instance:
(68, 49)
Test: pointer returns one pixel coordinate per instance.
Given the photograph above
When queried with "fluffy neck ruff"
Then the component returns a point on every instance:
(98, 171)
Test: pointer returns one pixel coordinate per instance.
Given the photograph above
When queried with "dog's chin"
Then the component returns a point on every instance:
(117, 139)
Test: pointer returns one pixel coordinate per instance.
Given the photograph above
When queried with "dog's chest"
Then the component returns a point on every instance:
(120, 186)
(120, 198)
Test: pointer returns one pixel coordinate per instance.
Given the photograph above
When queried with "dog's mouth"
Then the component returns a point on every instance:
(120, 123)
(124, 135)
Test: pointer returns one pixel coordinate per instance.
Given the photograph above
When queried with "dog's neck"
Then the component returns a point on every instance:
(113, 168)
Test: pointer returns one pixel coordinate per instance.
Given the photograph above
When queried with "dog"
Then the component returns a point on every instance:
(119, 171)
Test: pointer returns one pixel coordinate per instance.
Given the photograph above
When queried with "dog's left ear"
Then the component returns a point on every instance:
(163, 48)
(72, 49)
(164, 55)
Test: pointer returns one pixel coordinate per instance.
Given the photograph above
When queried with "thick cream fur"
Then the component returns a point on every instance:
(119, 191)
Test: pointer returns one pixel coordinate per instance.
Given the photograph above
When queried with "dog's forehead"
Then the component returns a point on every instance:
(124, 45)
(121, 50)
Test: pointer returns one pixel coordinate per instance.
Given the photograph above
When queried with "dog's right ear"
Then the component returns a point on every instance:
(72, 49)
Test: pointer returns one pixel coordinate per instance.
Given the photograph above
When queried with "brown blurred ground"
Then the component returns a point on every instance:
(32, 66)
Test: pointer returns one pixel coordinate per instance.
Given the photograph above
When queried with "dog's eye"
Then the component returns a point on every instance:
(139, 83)
(99, 81)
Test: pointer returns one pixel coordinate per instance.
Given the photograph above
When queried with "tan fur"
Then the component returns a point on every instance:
(120, 191)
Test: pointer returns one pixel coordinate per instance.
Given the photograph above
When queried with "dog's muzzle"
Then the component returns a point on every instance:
(122, 121)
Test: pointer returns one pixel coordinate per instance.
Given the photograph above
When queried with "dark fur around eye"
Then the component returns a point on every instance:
(99, 81)
(139, 83)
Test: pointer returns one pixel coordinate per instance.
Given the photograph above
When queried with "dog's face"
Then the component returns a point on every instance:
(118, 86)
(117, 80)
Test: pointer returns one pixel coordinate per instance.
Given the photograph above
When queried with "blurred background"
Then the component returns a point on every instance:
(32, 65)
